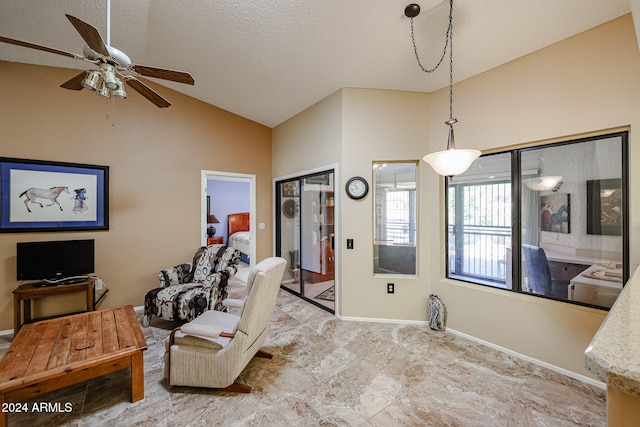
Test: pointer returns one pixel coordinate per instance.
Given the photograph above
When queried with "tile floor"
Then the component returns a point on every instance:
(328, 372)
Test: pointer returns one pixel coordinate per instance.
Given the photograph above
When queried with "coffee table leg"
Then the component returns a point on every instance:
(16, 315)
(3, 415)
(137, 377)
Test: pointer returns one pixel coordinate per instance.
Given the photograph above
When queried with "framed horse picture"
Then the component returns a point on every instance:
(37, 195)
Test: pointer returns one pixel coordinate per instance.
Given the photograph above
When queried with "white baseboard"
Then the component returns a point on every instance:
(535, 361)
(6, 332)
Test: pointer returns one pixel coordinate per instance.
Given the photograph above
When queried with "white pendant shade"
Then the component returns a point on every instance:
(451, 162)
(542, 183)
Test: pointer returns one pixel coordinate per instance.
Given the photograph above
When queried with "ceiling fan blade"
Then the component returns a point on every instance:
(39, 47)
(90, 35)
(76, 82)
(148, 93)
(163, 73)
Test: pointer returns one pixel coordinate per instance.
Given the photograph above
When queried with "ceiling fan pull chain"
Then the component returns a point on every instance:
(113, 112)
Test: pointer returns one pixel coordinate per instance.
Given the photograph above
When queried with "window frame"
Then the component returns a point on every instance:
(516, 213)
(413, 220)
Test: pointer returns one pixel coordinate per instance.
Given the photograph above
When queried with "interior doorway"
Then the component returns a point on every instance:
(305, 235)
(225, 194)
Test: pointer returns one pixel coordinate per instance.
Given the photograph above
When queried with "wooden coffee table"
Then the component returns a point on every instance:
(57, 353)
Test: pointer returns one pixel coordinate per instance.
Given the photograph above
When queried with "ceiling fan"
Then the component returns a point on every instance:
(114, 66)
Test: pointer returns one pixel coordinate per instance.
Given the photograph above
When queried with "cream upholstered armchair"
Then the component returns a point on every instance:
(212, 350)
(188, 290)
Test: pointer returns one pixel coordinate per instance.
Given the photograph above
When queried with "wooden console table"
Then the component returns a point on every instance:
(214, 240)
(30, 291)
(56, 353)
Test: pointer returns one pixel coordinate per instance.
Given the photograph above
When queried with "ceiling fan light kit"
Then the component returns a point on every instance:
(103, 90)
(109, 76)
(114, 66)
(451, 161)
(91, 81)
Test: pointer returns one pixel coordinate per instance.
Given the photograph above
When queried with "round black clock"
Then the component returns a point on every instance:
(357, 188)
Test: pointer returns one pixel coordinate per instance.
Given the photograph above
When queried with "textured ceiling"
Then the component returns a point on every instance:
(267, 60)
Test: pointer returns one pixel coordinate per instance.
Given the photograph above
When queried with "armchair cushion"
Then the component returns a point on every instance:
(204, 331)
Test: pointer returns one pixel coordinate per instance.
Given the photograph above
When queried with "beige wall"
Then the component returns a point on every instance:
(309, 140)
(155, 158)
(584, 84)
(587, 83)
(382, 126)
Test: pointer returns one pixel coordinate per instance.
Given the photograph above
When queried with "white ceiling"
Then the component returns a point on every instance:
(267, 60)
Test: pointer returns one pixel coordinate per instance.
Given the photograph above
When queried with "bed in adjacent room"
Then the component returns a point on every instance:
(239, 234)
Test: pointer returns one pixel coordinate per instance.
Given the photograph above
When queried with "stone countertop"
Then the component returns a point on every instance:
(614, 352)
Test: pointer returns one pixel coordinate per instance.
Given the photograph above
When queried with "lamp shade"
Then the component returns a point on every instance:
(91, 81)
(451, 162)
(103, 90)
(542, 183)
(110, 78)
(211, 219)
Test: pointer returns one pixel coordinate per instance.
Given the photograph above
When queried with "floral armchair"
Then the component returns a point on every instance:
(188, 290)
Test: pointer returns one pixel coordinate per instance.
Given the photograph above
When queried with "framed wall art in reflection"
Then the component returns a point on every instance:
(604, 207)
(555, 213)
(37, 195)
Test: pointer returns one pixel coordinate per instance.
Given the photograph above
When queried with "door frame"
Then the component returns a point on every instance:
(337, 251)
(236, 177)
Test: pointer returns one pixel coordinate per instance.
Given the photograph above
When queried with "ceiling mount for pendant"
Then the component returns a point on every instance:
(412, 10)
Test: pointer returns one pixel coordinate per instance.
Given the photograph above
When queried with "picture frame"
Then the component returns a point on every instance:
(555, 213)
(39, 195)
(290, 189)
(604, 207)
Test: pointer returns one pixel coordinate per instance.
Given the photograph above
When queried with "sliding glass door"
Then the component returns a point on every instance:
(305, 236)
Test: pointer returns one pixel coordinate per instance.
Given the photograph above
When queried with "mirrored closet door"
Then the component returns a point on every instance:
(305, 236)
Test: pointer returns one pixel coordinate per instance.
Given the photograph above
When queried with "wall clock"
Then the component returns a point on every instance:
(289, 208)
(357, 188)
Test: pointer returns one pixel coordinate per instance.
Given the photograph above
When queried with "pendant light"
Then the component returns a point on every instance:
(543, 182)
(452, 161)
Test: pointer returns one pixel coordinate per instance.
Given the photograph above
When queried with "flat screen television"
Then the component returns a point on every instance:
(55, 260)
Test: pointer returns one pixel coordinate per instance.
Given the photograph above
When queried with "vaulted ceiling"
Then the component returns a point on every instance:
(267, 60)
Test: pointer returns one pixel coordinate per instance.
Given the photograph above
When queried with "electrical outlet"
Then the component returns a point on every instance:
(391, 288)
(97, 284)
(349, 243)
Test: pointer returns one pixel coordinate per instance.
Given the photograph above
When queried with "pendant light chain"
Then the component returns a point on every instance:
(452, 161)
(448, 43)
(450, 38)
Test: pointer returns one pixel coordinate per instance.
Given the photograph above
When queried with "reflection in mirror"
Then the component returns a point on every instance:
(572, 244)
(394, 217)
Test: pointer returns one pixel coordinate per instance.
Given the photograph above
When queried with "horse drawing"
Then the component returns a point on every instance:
(43, 193)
